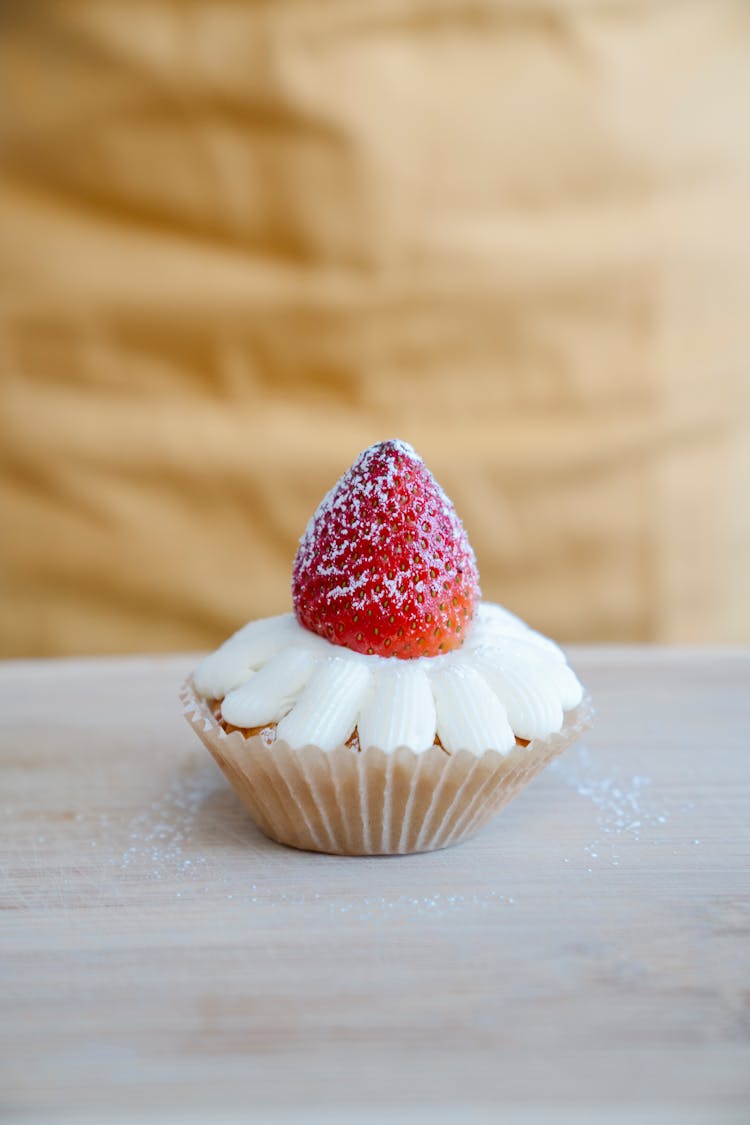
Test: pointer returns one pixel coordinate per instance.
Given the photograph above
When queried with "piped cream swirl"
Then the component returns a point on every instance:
(506, 680)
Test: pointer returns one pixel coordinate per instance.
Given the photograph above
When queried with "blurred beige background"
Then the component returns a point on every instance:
(241, 241)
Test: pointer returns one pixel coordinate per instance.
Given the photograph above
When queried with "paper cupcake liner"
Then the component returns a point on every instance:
(352, 802)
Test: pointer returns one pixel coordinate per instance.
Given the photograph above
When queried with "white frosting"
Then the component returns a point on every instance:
(247, 649)
(506, 680)
(469, 714)
(328, 708)
(399, 710)
(271, 692)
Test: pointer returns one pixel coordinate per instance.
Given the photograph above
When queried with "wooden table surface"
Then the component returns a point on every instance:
(585, 959)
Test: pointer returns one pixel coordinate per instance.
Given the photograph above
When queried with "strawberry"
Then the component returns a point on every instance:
(385, 566)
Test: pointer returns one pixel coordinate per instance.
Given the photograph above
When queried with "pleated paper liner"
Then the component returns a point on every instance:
(351, 802)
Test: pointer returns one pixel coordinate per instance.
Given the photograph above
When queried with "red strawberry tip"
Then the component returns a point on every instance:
(385, 566)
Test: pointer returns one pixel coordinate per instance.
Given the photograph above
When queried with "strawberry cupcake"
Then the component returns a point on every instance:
(392, 711)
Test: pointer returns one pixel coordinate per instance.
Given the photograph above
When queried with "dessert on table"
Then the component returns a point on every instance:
(392, 711)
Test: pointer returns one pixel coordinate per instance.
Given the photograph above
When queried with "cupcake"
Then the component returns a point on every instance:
(392, 711)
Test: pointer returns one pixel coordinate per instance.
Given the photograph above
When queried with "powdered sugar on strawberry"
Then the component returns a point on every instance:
(385, 566)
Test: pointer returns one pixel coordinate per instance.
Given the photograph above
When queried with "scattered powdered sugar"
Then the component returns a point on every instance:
(160, 838)
(622, 805)
(367, 907)
(432, 906)
(626, 808)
